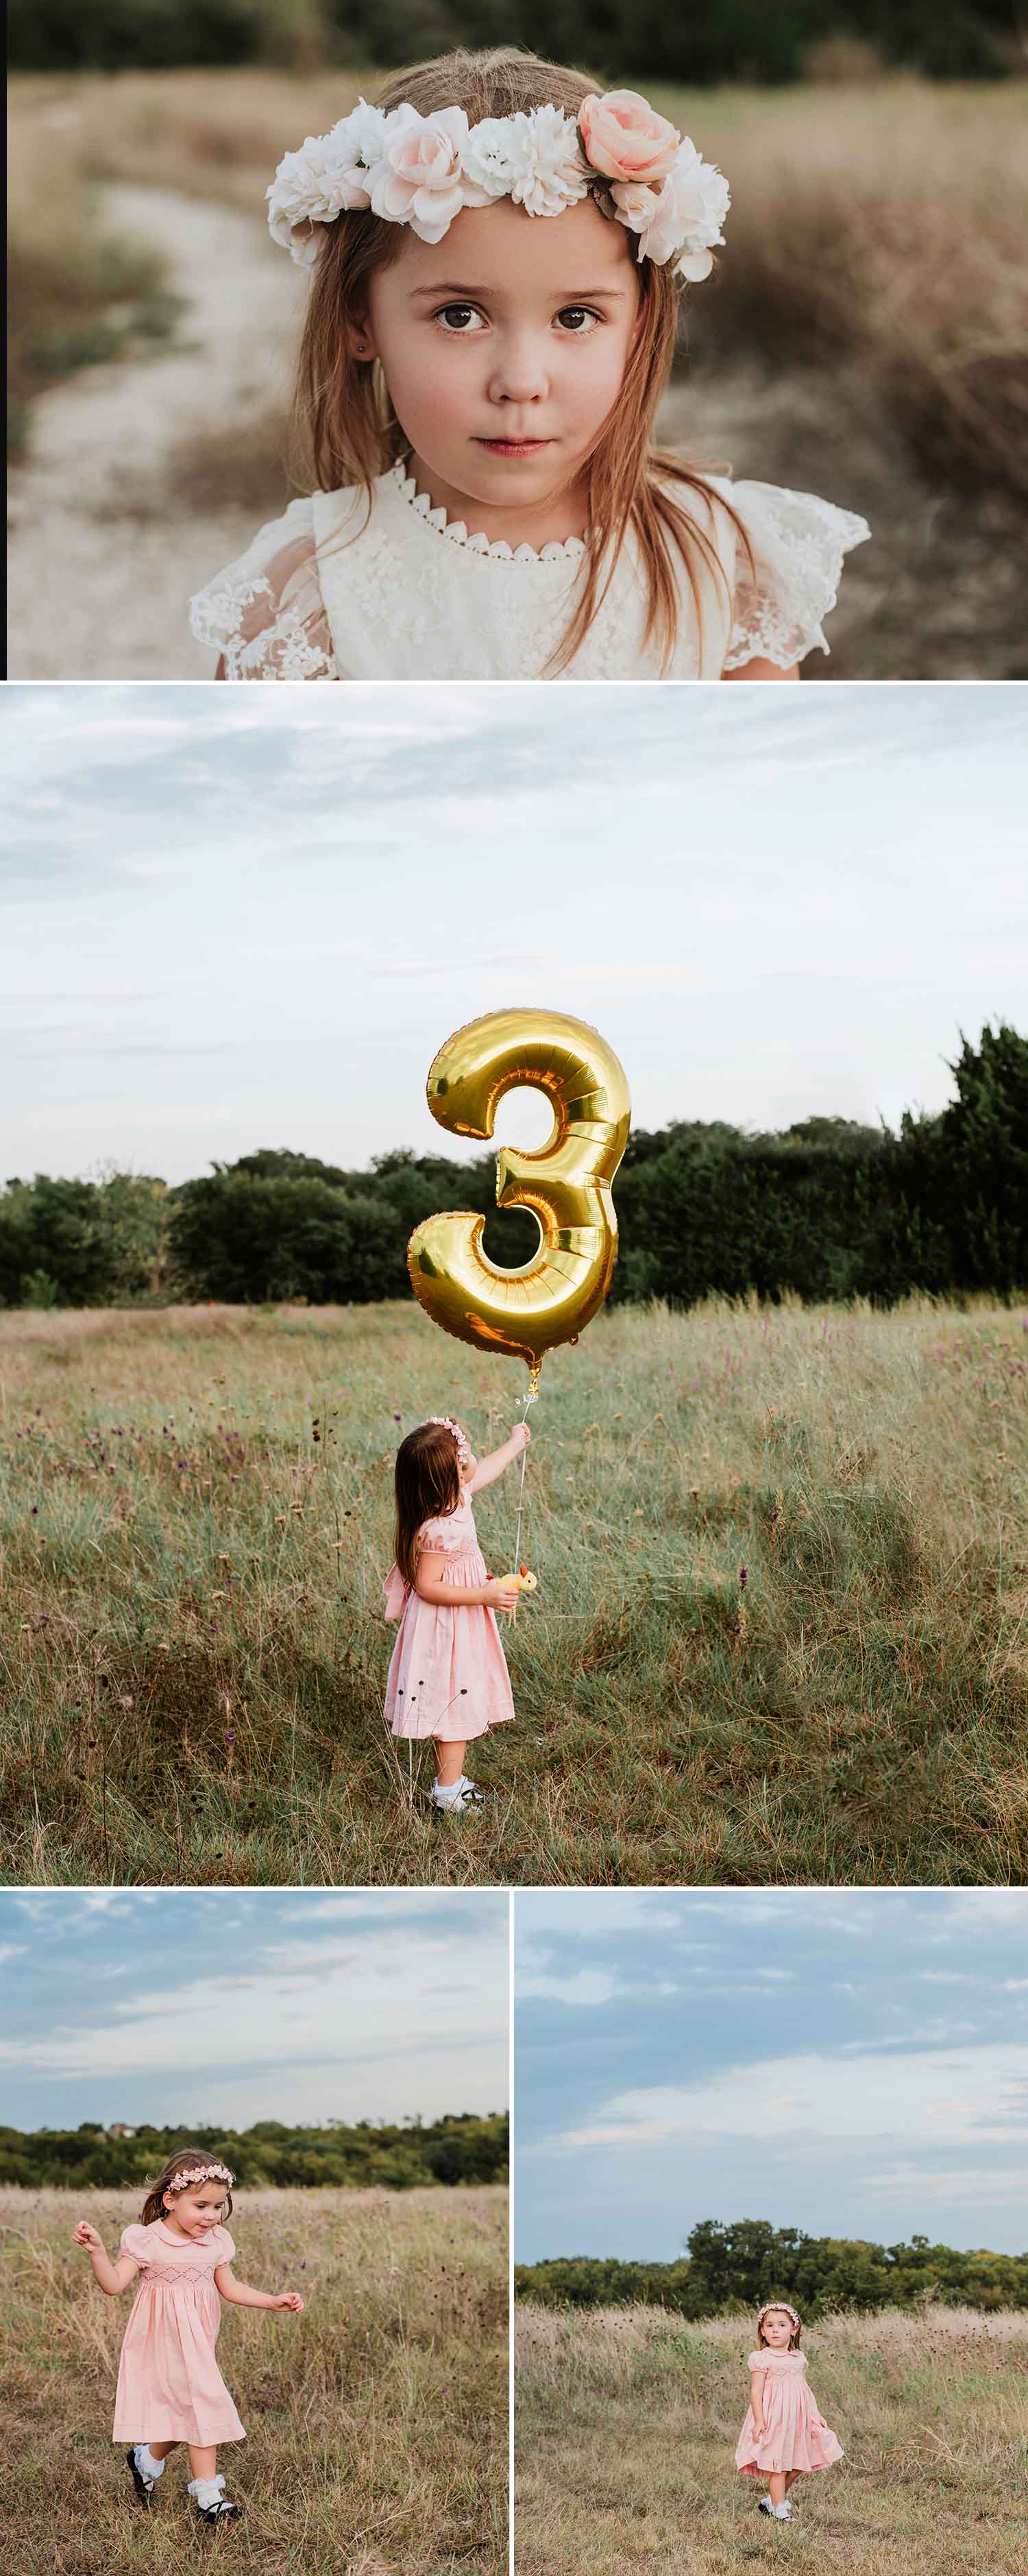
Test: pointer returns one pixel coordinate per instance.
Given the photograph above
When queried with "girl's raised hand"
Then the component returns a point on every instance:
(289, 2299)
(85, 2234)
(520, 1436)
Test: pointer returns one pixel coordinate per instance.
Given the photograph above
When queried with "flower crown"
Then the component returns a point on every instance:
(459, 1433)
(783, 2304)
(423, 170)
(199, 2173)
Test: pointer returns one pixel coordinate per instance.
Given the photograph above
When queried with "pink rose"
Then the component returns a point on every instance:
(625, 138)
(418, 180)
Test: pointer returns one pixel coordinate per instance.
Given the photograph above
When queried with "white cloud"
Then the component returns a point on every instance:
(819, 2098)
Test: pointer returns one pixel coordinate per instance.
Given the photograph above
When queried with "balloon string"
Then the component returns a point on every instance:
(530, 1398)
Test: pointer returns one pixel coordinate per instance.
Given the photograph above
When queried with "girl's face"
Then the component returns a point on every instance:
(196, 2208)
(777, 2330)
(504, 348)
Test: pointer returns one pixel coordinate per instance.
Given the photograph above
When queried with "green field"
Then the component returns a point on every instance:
(627, 2420)
(376, 2422)
(192, 1652)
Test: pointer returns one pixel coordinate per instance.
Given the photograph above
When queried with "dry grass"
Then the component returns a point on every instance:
(187, 1573)
(880, 222)
(76, 294)
(376, 2423)
(626, 2423)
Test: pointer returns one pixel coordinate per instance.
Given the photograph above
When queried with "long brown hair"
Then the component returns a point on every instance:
(794, 2339)
(343, 421)
(427, 1487)
(180, 2162)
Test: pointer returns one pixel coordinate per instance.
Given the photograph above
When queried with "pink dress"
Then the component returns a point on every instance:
(795, 2435)
(448, 1675)
(169, 2386)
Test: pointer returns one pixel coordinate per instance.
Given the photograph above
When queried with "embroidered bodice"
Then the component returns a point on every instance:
(334, 591)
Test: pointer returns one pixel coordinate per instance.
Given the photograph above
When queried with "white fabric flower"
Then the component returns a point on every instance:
(684, 216)
(556, 174)
(496, 154)
(419, 179)
(535, 159)
(303, 192)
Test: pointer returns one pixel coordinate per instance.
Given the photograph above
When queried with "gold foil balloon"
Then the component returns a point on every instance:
(566, 1183)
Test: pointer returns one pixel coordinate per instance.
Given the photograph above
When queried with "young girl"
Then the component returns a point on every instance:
(497, 253)
(448, 1676)
(783, 2436)
(169, 2386)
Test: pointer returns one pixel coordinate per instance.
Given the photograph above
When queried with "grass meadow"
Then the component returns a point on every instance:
(780, 1634)
(376, 2422)
(627, 2419)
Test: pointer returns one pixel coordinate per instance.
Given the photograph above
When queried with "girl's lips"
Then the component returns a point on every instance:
(514, 446)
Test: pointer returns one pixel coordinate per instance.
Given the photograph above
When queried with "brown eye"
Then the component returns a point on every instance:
(462, 319)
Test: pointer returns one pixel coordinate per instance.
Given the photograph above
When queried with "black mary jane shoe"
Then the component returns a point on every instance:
(223, 2511)
(144, 2492)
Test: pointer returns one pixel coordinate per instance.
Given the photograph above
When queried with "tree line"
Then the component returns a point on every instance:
(619, 40)
(748, 2261)
(826, 1209)
(465, 2147)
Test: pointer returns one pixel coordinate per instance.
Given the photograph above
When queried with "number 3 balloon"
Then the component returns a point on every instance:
(566, 1183)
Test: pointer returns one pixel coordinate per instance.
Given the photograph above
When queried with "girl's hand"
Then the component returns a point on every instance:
(289, 2299)
(85, 2234)
(758, 2428)
(499, 1595)
(520, 1437)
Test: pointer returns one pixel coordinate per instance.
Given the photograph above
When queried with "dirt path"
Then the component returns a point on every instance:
(95, 594)
(107, 544)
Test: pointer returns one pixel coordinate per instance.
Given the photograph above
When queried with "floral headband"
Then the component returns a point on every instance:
(770, 2305)
(199, 2173)
(459, 1433)
(423, 170)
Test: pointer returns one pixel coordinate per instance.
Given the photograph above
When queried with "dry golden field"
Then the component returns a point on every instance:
(626, 2421)
(780, 1635)
(376, 2422)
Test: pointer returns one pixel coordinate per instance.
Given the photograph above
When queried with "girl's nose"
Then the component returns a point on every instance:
(519, 373)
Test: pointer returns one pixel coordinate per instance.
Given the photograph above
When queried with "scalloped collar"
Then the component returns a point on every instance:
(570, 550)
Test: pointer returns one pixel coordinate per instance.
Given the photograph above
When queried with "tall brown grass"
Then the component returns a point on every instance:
(376, 2422)
(781, 1630)
(626, 2422)
(879, 222)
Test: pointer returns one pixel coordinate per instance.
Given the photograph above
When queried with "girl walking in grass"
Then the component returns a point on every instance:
(448, 1675)
(498, 252)
(169, 2386)
(783, 2437)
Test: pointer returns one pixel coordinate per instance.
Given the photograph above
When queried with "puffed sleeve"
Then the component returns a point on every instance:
(133, 2243)
(265, 613)
(439, 1538)
(757, 2361)
(798, 544)
(226, 2248)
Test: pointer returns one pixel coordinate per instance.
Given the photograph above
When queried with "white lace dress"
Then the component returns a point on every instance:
(330, 591)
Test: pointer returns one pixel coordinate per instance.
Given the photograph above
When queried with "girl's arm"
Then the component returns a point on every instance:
(762, 671)
(757, 2378)
(488, 1469)
(240, 2295)
(492, 1595)
(112, 2277)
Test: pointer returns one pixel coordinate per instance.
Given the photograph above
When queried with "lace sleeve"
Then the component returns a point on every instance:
(798, 546)
(265, 614)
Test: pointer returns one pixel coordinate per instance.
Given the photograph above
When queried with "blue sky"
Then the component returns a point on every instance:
(852, 2062)
(241, 2005)
(235, 917)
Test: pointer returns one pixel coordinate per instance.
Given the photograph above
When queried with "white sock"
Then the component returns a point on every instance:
(451, 1789)
(146, 2464)
(782, 2510)
(206, 2490)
